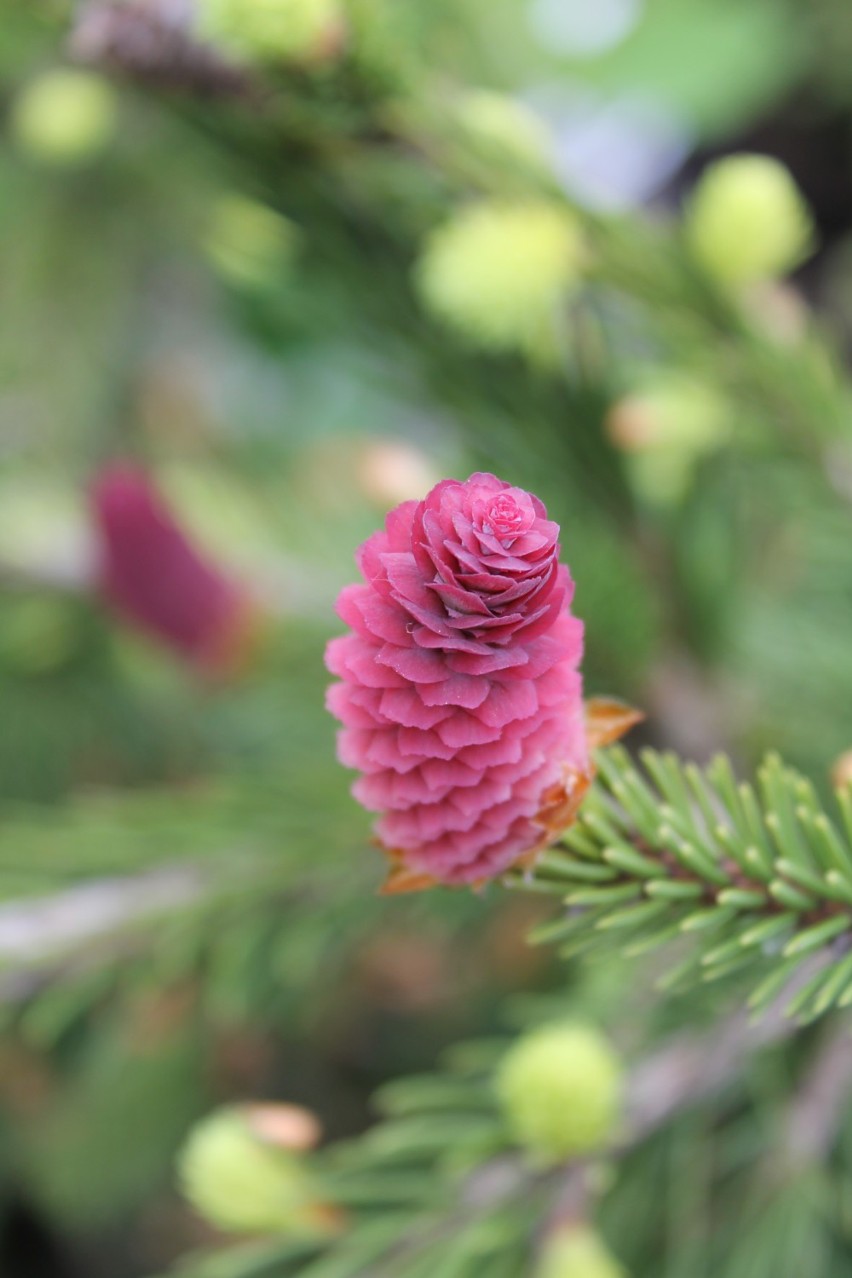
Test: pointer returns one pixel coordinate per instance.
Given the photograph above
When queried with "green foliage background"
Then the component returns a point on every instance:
(723, 606)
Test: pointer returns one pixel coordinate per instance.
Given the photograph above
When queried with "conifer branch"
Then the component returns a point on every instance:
(750, 880)
(436, 1182)
(221, 874)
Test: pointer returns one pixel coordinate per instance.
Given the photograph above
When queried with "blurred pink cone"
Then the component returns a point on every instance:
(153, 577)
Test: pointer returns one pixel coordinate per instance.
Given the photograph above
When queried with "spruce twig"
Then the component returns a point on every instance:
(492, 1201)
(757, 880)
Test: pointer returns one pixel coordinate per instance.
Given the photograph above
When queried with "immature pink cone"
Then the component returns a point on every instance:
(461, 696)
(151, 574)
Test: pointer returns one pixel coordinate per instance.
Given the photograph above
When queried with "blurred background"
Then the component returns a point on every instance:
(257, 289)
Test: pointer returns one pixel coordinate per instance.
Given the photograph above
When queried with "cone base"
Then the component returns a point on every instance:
(607, 720)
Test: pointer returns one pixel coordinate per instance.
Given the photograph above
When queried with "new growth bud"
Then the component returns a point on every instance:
(665, 428)
(498, 272)
(560, 1088)
(503, 129)
(240, 1174)
(576, 1251)
(294, 31)
(64, 117)
(746, 221)
(249, 244)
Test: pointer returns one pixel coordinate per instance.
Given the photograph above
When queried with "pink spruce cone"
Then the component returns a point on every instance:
(151, 574)
(461, 696)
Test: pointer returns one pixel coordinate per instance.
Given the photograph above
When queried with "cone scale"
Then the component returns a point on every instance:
(460, 691)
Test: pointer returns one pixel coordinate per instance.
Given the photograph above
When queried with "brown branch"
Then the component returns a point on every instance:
(87, 924)
(152, 41)
(694, 1067)
(812, 1121)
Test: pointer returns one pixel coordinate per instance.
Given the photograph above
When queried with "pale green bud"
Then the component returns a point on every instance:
(38, 633)
(239, 1175)
(64, 117)
(559, 1088)
(577, 1252)
(665, 428)
(302, 31)
(498, 272)
(504, 130)
(248, 243)
(747, 221)
(675, 412)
